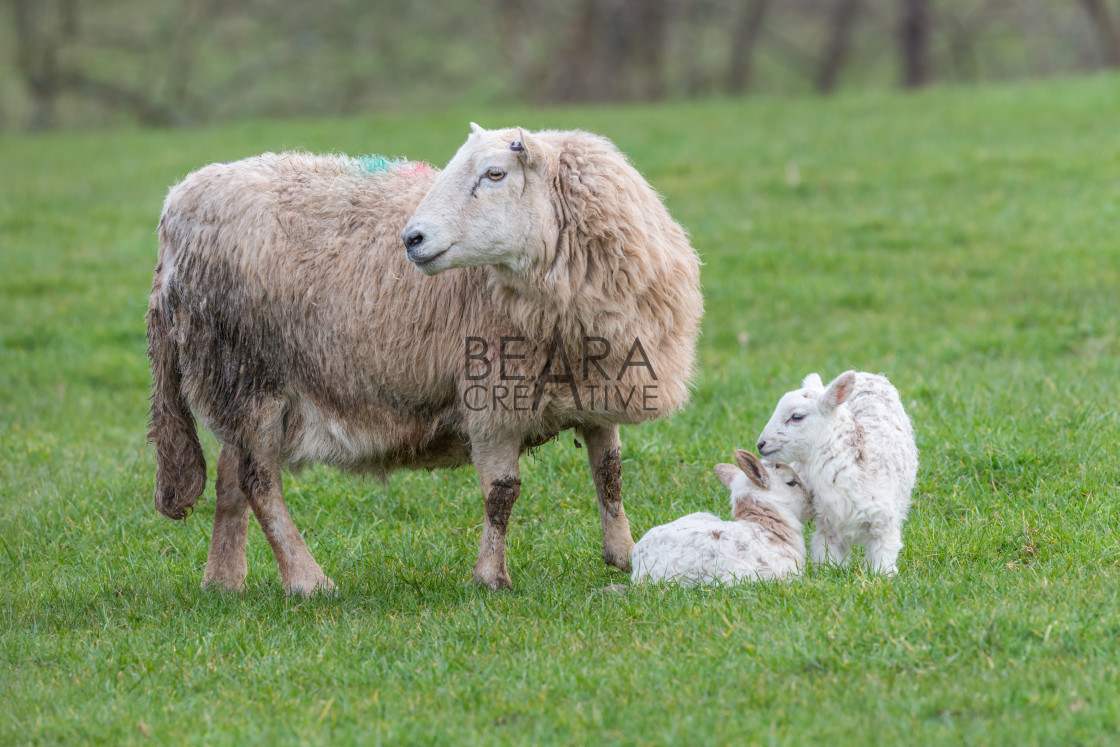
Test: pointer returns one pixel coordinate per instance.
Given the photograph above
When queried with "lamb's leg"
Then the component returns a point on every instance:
(882, 553)
(604, 456)
(259, 477)
(827, 546)
(225, 567)
(500, 478)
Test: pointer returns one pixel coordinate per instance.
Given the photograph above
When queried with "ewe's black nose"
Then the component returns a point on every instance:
(761, 445)
(414, 238)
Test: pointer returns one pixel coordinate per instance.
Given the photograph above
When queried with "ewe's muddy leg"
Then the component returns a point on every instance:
(604, 455)
(225, 567)
(259, 477)
(500, 478)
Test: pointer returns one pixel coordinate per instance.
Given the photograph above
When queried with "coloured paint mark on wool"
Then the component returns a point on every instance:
(375, 164)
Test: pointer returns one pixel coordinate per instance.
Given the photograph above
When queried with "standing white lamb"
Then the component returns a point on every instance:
(853, 445)
(765, 541)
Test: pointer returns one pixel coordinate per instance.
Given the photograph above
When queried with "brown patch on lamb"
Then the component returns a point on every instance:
(767, 518)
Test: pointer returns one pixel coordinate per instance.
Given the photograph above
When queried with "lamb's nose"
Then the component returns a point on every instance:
(761, 445)
(413, 238)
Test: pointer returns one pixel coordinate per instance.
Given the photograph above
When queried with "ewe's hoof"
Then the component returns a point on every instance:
(218, 583)
(496, 581)
(619, 560)
(315, 586)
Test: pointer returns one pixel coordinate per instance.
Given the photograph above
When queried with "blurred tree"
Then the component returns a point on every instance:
(1108, 33)
(913, 38)
(745, 35)
(77, 62)
(613, 49)
(841, 20)
(46, 31)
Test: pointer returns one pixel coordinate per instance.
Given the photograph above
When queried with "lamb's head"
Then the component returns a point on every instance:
(805, 418)
(489, 206)
(765, 482)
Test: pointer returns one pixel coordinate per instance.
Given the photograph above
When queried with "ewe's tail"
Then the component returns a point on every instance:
(181, 466)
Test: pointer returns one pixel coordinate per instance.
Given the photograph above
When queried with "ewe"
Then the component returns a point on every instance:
(764, 542)
(853, 446)
(544, 287)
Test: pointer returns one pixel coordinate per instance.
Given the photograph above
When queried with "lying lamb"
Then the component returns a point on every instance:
(853, 446)
(768, 502)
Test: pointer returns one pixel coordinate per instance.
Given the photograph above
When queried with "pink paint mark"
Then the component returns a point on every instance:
(414, 168)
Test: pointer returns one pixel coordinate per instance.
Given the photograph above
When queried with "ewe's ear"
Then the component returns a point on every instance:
(838, 391)
(812, 381)
(726, 473)
(752, 466)
(527, 147)
(476, 130)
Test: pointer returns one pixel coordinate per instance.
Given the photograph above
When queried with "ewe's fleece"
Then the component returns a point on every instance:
(853, 445)
(285, 314)
(764, 542)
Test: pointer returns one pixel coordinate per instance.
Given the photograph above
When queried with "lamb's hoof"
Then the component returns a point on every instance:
(310, 585)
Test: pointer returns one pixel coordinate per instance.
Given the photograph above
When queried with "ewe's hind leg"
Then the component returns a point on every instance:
(604, 456)
(827, 546)
(501, 487)
(882, 553)
(225, 567)
(259, 477)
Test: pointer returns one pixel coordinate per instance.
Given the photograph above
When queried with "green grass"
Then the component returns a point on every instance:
(961, 241)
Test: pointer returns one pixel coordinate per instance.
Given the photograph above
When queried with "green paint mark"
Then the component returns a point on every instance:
(375, 164)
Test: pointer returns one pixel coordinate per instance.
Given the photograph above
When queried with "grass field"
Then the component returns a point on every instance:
(964, 242)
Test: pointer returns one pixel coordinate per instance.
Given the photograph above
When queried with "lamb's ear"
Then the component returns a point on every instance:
(726, 473)
(752, 466)
(812, 381)
(838, 391)
(527, 147)
(476, 130)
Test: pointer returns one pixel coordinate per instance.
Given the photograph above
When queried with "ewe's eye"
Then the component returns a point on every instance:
(495, 175)
(797, 417)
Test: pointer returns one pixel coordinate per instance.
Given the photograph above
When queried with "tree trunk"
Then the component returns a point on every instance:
(913, 38)
(745, 38)
(649, 38)
(839, 42)
(1106, 28)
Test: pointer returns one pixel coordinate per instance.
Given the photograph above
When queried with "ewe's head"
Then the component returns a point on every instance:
(804, 418)
(764, 482)
(486, 207)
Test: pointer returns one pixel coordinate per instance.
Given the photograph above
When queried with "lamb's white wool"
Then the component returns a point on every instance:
(768, 502)
(852, 444)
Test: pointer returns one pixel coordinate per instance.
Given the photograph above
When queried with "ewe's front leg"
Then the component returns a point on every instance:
(225, 566)
(500, 477)
(604, 455)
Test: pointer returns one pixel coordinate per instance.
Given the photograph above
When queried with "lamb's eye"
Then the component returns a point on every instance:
(792, 483)
(495, 175)
(797, 417)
